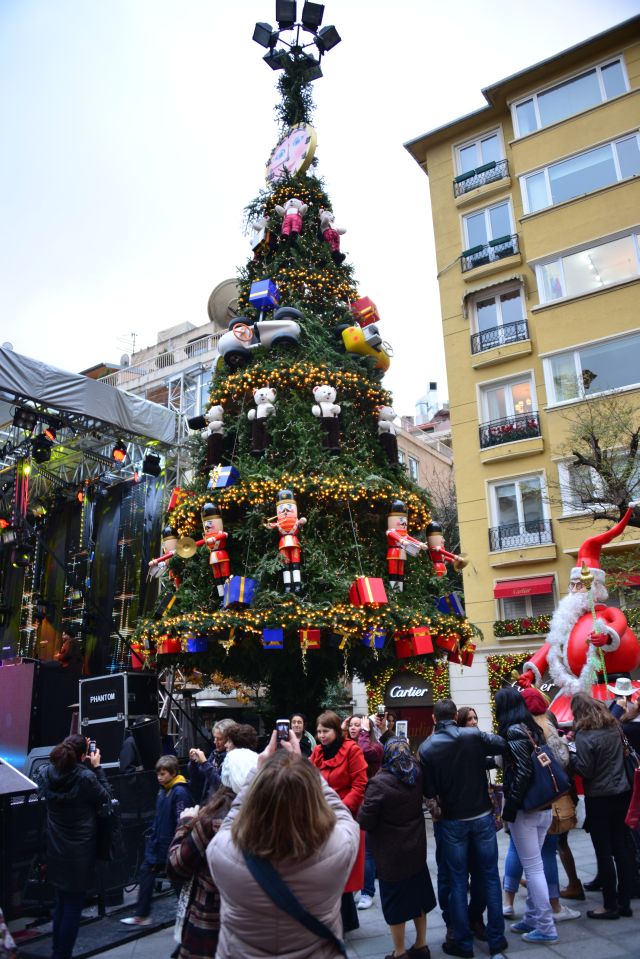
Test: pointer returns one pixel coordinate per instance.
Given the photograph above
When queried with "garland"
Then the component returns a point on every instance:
(435, 673)
(527, 626)
(501, 668)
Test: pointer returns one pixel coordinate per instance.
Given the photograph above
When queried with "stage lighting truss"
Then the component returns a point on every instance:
(324, 38)
(151, 465)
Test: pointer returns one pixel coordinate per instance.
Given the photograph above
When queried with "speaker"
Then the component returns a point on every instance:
(36, 759)
(146, 732)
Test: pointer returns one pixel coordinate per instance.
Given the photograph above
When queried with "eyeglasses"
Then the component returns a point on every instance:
(575, 585)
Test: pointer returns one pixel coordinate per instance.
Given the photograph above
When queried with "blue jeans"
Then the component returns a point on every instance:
(369, 886)
(147, 877)
(513, 867)
(67, 913)
(477, 900)
(460, 843)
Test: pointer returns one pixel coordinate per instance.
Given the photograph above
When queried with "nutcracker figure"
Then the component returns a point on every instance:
(399, 543)
(588, 642)
(439, 555)
(158, 566)
(287, 522)
(215, 539)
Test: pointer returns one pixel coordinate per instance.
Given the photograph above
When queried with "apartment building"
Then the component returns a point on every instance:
(536, 213)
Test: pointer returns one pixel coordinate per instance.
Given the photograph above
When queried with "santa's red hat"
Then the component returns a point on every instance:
(589, 552)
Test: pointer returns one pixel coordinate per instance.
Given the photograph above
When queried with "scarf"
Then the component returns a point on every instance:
(328, 752)
(399, 761)
(174, 782)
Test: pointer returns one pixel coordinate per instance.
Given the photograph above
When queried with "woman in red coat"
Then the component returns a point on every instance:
(342, 764)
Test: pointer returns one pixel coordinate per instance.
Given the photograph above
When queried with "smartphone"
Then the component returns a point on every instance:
(402, 729)
(92, 746)
(380, 709)
(282, 727)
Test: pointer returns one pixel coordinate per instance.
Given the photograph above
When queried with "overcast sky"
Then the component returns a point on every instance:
(133, 133)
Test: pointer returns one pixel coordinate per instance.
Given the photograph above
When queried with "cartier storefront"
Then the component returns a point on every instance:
(410, 698)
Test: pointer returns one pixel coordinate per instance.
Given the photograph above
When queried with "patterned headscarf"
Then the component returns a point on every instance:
(400, 761)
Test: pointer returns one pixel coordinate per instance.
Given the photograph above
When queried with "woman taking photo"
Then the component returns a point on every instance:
(392, 816)
(527, 829)
(599, 759)
(204, 774)
(74, 795)
(359, 728)
(306, 741)
(287, 817)
(342, 765)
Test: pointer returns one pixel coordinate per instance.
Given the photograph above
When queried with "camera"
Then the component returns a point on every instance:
(380, 709)
(92, 746)
(282, 727)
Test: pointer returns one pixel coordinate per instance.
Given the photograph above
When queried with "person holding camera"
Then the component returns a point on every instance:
(204, 773)
(74, 794)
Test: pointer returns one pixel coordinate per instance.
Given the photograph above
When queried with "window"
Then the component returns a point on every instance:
(489, 224)
(486, 149)
(581, 174)
(413, 469)
(518, 514)
(509, 399)
(583, 489)
(578, 486)
(608, 365)
(518, 607)
(401, 457)
(571, 97)
(590, 270)
(499, 319)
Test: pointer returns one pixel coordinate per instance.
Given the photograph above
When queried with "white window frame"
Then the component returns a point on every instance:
(485, 210)
(494, 511)
(583, 248)
(506, 381)
(414, 469)
(569, 507)
(552, 86)
(495, 293)
(477, 140)
(545, 170)
(402, 457)
(552, 402)
(529, 614)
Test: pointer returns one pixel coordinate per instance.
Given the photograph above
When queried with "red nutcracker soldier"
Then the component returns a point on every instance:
(287, 522)
(215, 539)
(399, 543)
(439, 555)
(587, 640)
(158, 566)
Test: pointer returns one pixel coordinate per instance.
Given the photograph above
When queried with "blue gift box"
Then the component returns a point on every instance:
(223, 476)
(239, 591)
(374, 638)
(451, 605)
(273, 638)
(264, 295)
(197, 644)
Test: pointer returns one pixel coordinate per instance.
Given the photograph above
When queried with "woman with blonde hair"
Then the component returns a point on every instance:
(204, 774)
(287, 834)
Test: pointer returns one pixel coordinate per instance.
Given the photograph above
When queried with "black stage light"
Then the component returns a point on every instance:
(22, 556)
(196, 423)
(52, 427)
(265, 35)
(119, 452)
(327, 39)
(276, 59)
(151, 465)
(41, 449)
(24, 419)
(312, 70)
(286, 13)
(312, 14)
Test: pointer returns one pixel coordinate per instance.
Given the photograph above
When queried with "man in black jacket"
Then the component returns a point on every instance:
(454, 765)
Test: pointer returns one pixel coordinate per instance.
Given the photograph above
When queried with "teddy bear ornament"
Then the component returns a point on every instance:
(328, 411)
(264, 398)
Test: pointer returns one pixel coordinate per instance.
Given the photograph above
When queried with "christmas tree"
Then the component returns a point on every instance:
(298, 479)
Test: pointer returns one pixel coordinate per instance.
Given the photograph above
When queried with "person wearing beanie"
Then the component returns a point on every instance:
(236, 768)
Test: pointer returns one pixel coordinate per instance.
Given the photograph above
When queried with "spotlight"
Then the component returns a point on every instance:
(265, 35)
(9, 535)
(50, 431)
(119, 452)
(312, 14)
(276, 59)
(22, 556)
(41, 448)
(196, 423)
(327, 39)
(24, 419)
(312, 70)
(80, 496)
(151, 465)
(286, 13)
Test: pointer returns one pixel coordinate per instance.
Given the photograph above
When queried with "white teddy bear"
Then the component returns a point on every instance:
(328, 411)
(214, 417)
(264, 398)
(386, 416)
(213, 434)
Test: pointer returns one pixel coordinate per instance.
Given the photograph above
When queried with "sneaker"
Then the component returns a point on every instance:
(565, 914)
(498, 955)
(540, 938)
(508, 911)
(365, 902)
(137, 921)
(521, 927)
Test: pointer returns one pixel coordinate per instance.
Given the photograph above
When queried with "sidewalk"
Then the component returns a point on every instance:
(580, 937)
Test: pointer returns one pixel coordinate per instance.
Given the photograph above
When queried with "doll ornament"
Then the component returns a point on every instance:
(264, 398)
(291, 213)
(214, 435)
(387, 436)
(399, 543)
(327, 411)
(439, 555)
(215, 539)
(331, 234)
(288, 523)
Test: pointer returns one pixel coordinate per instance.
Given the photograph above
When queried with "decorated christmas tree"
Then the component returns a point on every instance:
(300, 550)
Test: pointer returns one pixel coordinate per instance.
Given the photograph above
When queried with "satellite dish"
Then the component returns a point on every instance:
(125, 361)
(9, 346)
(223, 304)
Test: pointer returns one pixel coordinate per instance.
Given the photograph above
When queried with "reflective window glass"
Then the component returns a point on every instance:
(537, 195)
(526, 113)
(486, 314)
(582, 174)
(574, 96)
(565, 381)
(628, 157)
(511, 307)
(490, 149)
(613, 79)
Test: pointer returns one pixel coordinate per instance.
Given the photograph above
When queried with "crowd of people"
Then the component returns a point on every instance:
(276, 852)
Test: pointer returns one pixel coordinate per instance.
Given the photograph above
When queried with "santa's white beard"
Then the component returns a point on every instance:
(569, 611)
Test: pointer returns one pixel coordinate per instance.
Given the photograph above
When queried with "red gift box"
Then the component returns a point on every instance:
(365, 311)
(366, 591)
(309, 638)
(169, 645)
(413, 642)
(137, 655)
(466, 655)
(175, 498)
(449, 643)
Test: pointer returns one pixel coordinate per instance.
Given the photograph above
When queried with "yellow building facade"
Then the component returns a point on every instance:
(536, 213)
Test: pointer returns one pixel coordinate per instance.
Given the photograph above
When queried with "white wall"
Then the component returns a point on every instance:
(470, 687)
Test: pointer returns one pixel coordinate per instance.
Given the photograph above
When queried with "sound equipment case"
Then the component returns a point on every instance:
(108, 704)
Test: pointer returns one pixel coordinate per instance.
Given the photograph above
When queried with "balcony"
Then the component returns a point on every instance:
(524, 426)
(155, 361)
(488, 253)
(499, 336)
(535, 532)
(481, 176)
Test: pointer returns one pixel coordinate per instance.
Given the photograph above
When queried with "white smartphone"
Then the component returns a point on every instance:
(402, 729)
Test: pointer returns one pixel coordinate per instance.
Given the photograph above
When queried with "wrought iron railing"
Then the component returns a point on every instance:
(499, 336)
(487, 173)
(489, 252)
(524, 426)
(535, 532)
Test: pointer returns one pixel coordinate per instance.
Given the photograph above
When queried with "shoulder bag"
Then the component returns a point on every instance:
(630, 757)
(549, 781)
(271, 882)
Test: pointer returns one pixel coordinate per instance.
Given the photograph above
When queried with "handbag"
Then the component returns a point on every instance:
(496, 795)
(548, 782)
(630, 757)
(184, 899)
(563, 816)
(270, 880)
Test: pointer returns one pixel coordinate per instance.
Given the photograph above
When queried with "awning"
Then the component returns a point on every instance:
(480, 287)
(523, 587)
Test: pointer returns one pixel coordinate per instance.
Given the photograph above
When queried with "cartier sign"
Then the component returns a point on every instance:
(407, 689)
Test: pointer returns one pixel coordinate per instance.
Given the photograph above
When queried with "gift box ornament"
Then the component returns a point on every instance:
(466, 654)
(239, 591)
(449, 643)
(365, 311)
(272, 638)
(197, 644)
(176, 493)
(374, 638)
(366, 591)
(309, 638)
(413, 642)
(337, 640)
(137, 655)
(222, 476)
(264, 295)
(168, 645)
(451, 605)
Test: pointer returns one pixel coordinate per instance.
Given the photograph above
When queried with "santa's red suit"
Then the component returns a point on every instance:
(573, 661)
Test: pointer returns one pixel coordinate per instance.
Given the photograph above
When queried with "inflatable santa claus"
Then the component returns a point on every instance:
(588, 643)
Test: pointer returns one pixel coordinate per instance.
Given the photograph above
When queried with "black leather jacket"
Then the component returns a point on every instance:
(518, 768)
(454, 768)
